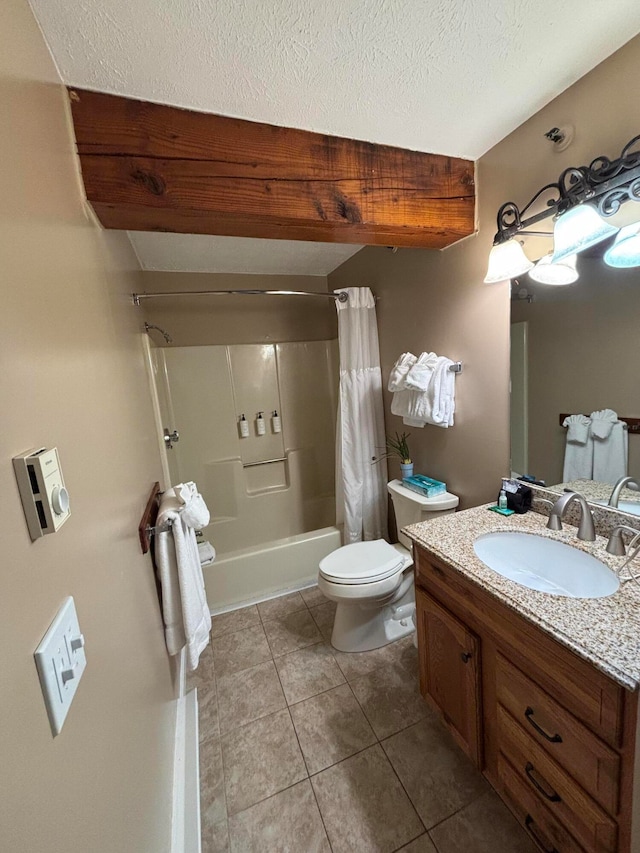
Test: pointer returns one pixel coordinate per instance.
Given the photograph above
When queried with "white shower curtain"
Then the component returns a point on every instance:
(361, 487)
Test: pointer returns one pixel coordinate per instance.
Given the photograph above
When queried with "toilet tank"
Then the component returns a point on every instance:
(410, 507)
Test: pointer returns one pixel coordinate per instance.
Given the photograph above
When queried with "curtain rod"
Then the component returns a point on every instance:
(341, 297)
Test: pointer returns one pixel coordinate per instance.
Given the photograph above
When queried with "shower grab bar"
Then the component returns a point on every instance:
(341, 297)
(264, 462)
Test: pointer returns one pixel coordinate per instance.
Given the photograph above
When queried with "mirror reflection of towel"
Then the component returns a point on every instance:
(578, 451)
(610, 439)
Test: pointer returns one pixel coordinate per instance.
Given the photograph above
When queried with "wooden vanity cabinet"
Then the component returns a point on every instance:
(554, 735)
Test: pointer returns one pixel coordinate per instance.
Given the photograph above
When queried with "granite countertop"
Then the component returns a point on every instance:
(603, 631)
(594, 490)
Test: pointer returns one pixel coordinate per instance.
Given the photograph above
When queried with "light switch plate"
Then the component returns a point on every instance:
(61, 661)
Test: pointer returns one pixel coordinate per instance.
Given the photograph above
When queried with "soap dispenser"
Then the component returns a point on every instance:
(243, 427)
(261, 427)
(276, 425)
(502, 499)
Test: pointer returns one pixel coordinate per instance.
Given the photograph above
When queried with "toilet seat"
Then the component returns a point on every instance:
(362, 563)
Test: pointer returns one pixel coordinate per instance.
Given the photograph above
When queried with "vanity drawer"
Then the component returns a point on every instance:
(590, 762)
(564, 798)
(587, 693)
(547, 832)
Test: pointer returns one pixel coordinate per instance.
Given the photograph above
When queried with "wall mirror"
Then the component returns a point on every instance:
(574, 349)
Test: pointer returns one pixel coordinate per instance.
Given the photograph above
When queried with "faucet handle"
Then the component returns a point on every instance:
(616, 545)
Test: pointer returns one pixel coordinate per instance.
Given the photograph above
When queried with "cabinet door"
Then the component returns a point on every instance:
(450, 671)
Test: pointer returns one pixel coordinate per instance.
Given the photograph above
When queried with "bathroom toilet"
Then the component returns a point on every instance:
(372, 582)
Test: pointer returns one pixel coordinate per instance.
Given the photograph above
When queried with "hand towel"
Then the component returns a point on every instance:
(444, 393)
(420, 374)
(185, 610)
(578, 451)
(399, 371)
(602, 423)
(611, 454)
(577, 429)
(206, 552)
(194, 510)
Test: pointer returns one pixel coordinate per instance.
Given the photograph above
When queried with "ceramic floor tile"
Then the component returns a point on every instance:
(364, 807)
(213, 808)
(356, 664)
(330, 727)
(423, 844)
(323, 615)
(234, 620)
(261, 759)
(485, 826)
(436, 774)
(312, 596)
(402, 653)
(216, 838)
(248, 695)
(240, 650)
(308, 671)
(291, 632)
(390, 698)
(288, 822)
(276, 608)
(208, 720)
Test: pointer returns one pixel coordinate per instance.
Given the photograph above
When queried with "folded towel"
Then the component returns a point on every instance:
(444, 393)
(399, 371)
(602, 423)
(577, 429)
(206, 552)
(420, 374)
(194, 510)
(185, 610)
(436, 404)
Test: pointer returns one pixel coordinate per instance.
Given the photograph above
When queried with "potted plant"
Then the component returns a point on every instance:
(398, 446)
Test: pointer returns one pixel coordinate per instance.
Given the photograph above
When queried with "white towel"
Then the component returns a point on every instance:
(193, 508)
(206, 552)
(436, 404)
(577, 429)
(444, 393)
(399, 371)
(602, 423)
(185, 610)
(578, 451)
(419, 376)
(610, 439)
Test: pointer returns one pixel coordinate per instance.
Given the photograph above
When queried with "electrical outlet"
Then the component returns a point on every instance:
(61, 661)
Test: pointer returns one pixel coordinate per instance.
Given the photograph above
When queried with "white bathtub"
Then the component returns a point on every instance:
(254, 574)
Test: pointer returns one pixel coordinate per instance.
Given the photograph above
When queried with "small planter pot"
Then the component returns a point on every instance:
(406, 469)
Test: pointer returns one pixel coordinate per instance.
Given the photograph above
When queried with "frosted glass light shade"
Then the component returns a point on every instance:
(562, 272)
(507, 260)
(578, 229)
(625, 252)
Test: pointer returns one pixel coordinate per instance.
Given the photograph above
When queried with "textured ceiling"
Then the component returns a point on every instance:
(445, 76)
(202, 253)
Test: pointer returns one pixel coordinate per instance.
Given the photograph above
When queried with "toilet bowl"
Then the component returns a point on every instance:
(372, 582)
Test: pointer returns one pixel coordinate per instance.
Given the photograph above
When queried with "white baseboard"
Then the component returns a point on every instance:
(186, 778)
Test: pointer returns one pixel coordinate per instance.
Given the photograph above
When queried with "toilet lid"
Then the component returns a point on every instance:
(362, 562)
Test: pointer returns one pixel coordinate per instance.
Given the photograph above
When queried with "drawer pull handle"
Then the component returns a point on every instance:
(529, 823)
(552, 738)
(465, 657)
(552, 797)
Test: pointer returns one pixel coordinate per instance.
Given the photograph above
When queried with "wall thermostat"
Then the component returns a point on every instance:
(44, 497)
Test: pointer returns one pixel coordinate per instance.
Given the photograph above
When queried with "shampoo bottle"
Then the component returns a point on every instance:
(243, 427)
(260, 424)
(276, 426)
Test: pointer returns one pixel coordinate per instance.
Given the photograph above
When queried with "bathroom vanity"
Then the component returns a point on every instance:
(540, 691)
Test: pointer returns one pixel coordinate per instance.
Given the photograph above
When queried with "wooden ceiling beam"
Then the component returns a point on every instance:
(151, 167)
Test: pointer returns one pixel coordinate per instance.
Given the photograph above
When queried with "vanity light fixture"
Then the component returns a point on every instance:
(599, 190)
(507, 260)
(625, 252)
(548, 271)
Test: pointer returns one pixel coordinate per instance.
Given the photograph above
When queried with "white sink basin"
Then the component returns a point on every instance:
(546, 565)
(632, 507)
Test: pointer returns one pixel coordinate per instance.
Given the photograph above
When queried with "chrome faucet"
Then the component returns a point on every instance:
(629, 482)
(616, 545)
(586, 530)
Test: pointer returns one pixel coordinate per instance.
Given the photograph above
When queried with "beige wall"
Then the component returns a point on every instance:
(437, 301)
(202, 321)
(72, 375)
(583, 356)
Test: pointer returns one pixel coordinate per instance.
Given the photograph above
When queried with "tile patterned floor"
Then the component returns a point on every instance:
(304, 749)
